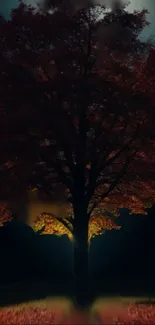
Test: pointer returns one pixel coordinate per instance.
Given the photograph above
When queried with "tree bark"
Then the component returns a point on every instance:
(81, 272)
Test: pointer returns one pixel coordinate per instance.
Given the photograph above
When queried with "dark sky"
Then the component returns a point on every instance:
(7, 5)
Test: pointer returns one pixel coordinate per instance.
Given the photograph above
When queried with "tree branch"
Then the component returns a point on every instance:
(40, 231)
(122, 150)
(63, 176)
(61, 220)
(96, 170)
(114, 184)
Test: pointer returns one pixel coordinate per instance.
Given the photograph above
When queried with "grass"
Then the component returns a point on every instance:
(46, 311)
(60, 310)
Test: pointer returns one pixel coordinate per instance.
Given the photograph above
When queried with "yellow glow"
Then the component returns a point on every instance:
(46, 224)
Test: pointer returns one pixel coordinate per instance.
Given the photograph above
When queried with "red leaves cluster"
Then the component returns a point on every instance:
(30, 315)
(5, 214)
(131, 314)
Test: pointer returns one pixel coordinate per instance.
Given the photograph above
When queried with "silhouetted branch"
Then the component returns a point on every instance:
(114, 184)
(61, 220)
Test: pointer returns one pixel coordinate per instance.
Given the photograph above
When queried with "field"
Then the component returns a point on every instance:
(61, 311)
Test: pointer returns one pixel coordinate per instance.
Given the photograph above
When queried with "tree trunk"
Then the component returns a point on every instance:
(81, 271)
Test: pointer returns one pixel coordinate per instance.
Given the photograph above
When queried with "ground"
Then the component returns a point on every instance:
(60, 310)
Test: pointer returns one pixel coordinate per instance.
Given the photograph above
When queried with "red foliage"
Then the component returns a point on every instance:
(131, 314)
(5, 214)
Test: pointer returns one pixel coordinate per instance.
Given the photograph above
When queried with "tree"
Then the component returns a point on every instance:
(77, 118)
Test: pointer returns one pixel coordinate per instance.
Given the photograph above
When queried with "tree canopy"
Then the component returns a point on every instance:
(77, 109)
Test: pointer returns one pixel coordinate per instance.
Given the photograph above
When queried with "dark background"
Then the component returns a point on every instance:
(121, 262)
